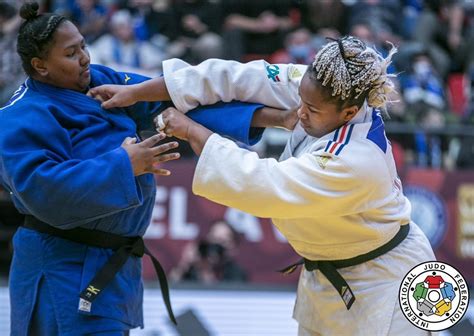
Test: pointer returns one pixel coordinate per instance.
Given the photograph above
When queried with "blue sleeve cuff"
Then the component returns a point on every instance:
(230, 119)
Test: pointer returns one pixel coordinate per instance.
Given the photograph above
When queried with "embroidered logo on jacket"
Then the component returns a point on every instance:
(341, 138)
(293, 72)
(322, 161)
(272, 72)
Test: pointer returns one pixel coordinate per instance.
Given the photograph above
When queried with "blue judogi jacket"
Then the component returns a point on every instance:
(60, 157)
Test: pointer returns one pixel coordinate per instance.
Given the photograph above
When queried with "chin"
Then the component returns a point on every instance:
(84, 85)
(315, 133)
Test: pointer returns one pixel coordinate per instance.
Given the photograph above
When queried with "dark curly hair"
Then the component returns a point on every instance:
(36, 34)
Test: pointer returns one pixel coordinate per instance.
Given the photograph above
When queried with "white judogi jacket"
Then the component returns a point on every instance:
(333, 197)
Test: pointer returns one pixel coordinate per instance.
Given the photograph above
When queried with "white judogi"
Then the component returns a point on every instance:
(334, 197)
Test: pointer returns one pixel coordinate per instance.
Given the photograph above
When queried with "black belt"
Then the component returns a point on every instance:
(329, 267)
(124, 247)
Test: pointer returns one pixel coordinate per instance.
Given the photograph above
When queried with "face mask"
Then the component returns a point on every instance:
(422, 68)
(300, 51)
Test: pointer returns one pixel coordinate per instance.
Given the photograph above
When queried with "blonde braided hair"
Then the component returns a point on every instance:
(355, 72)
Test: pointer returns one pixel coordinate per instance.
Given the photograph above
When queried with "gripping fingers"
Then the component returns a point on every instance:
(160, 123)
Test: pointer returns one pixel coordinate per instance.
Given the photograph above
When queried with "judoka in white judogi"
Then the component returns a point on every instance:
(333, 197)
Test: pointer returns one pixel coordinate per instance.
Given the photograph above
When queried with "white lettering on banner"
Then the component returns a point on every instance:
(156, 229)
(244, 223)
(179, 228)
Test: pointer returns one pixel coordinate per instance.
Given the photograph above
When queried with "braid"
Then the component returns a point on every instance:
(353, 72)
(36, 34)
(52, 24)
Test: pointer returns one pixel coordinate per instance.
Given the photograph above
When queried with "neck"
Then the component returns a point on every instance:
(52, 83)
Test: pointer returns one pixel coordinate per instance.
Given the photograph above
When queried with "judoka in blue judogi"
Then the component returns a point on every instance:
(62, 161)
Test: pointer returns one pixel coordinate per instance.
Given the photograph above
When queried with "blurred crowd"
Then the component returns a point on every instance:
(434, 65)
(212, 258)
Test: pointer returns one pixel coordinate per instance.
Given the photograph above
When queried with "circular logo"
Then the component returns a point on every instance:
(434, 296)
(428, 212)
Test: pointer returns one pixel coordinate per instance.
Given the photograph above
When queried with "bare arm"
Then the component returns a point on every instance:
(125, 95)
(210, 82)
(179, 125)
(271, 117)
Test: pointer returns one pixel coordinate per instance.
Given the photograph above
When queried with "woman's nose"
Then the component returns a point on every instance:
(85, 58)
(301, 114)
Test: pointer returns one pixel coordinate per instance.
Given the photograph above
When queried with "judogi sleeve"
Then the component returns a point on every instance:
(294, 188)
(231, 119)
(37, 165)
(274, 85)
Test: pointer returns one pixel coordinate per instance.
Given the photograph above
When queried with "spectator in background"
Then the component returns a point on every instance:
(440, 30)
(255, 27)
(11, 72)
(90, 16)
(199, 25)
(299, 48)
(122, 51)
(381, 17)
(211, 259)
(153, 20)
(422, 85)
(411, 13)
(327, 17)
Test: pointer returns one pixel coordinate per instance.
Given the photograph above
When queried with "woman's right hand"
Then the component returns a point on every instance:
(112, 95)
(145, 156)
(177, 124)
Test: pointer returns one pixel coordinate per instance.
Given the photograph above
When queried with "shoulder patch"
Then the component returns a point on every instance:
(293, 72)
(340, 140)
(322, 160)
(377, 131)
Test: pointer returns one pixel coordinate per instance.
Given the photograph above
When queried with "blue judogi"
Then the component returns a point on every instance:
(60, 157)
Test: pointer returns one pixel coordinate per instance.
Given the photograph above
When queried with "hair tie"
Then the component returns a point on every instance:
(339, 44)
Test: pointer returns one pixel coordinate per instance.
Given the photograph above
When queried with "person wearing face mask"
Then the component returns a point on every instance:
(335, 193)
(298, 48)
(421, 84)
(85, 185)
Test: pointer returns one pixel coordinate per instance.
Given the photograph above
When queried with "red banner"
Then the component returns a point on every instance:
(443, 205)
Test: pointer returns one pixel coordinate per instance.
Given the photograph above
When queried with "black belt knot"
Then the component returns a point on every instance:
(329, 267)
(138, 247)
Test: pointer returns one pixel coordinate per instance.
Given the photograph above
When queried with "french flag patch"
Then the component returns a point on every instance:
(340, 139)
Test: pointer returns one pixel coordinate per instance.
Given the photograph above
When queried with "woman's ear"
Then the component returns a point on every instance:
(350, 112)
(39, 65)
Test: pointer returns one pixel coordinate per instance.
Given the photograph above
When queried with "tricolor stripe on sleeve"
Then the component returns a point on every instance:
(340, 139)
